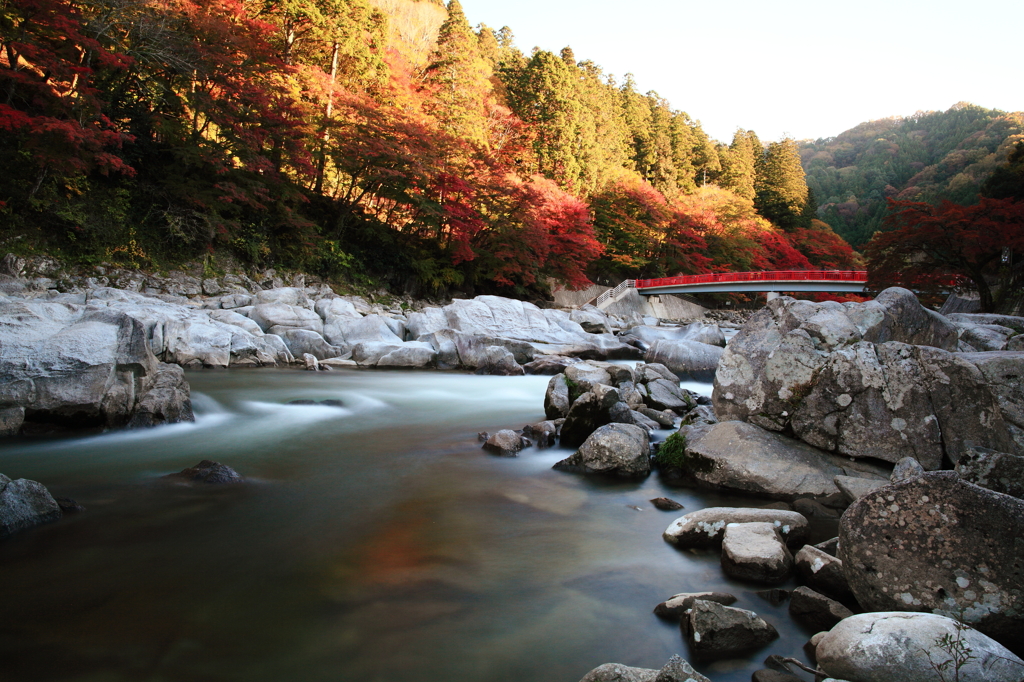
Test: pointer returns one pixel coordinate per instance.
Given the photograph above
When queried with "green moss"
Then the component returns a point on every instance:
(672, 454)
(575, 390)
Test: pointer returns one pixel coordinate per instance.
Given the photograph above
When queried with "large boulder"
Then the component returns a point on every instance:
(911, 647)
(691, 359)
(742, 457)
(893, 400)
(815, 610)
(773, 363)
(168, 401)
(618, 449)
(349, 331)
(69, 367)
(1003, 372)
(706, 527)
(937, 543)
(24, 504)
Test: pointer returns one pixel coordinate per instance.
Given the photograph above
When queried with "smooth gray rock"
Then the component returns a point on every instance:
(499, 361)
(592, 319)
(887, 646)
(549, 365)
(303, 341)
(937, 543)
(706, 527)
(409, 354)
(285, 316)
(985, 337)
(168, 400)
(716, 630)
(24, 504)
(822, 572)
(739, 456)
(666, 395)
(854, 488)
(815, 610)
(1001, 472)
(290, 296)
(618, 449)
(585, 375)
(345, 331)
(755, 552)
(328, 308)
(686, 358)
(675, 606)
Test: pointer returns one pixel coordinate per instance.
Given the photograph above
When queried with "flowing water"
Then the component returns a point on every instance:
(373, 542)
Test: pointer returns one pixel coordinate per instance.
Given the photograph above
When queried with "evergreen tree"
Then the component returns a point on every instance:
(461, 78)
(781, 187)
(738, 164)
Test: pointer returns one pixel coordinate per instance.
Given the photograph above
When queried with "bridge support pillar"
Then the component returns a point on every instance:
(772, 295)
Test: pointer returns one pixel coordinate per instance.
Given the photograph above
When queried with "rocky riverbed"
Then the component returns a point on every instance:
(906, 426)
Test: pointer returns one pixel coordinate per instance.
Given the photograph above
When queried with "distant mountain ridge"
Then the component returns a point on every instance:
(925, 157)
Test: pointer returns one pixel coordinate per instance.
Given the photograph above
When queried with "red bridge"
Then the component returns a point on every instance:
(851, 281)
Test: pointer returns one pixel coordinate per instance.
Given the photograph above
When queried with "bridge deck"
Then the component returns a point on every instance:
(780, 280)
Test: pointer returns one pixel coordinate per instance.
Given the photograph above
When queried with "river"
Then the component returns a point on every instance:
(374, 542)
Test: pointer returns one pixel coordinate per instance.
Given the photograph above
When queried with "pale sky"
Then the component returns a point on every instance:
(798, 68)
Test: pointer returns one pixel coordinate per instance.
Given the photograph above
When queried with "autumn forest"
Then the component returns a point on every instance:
(391, 142)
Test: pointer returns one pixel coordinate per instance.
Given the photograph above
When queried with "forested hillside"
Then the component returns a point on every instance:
(386, 140)
(926, 157)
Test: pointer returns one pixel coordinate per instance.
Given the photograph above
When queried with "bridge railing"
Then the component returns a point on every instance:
(772, 276)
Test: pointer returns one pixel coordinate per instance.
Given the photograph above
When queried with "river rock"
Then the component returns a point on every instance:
(343, 331)
(686, 358)
(168, 401)
(505, 443)
(1001, 472)
(886, 646)
(543, 434)
(303, 341)
(739, 456)
(583, 376)
(556, 398)
(666, 504)
(893, 400)
(717, 630)
(907, 467)
(618, 449)
(675, 606)
(815, 610)
(328, 308)
(706, 527)
(549, 365)
(1003, 372)
(290, 296)
(276, 317)
(676, 670)
(499, 361)
(409, 354)
(73, 367)
(937, 543)
(588, 412)
(666, 395)
(592, 319)
(207, 472)
(770, 365)
(24, 504)
(755, 552)
(854, 488)
(822, 572)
